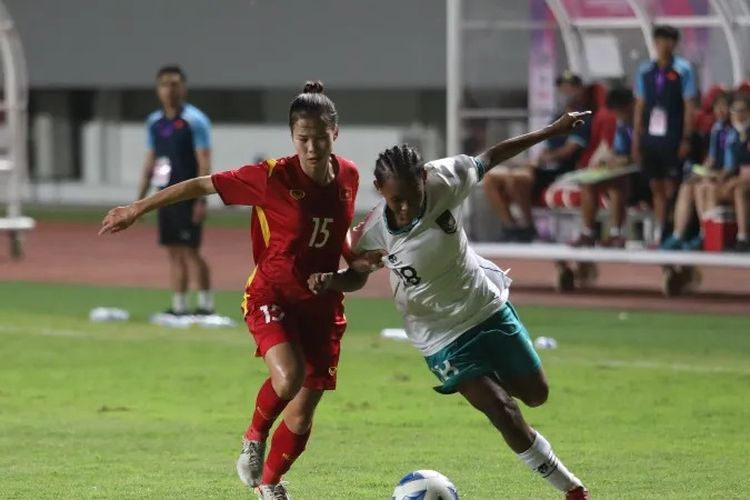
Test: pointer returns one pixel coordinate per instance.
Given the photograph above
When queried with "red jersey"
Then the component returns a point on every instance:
(297, 226)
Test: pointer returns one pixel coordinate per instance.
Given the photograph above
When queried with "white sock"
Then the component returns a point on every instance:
(741, 236)
(615, 231)
(540, 458)
(587, 232)
(676, 235)
(205, 299)
(657, 233)
(179, 302)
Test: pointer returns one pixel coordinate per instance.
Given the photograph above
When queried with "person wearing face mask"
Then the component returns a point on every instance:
(505, 185)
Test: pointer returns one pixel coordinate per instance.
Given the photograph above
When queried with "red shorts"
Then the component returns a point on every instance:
(316, 325)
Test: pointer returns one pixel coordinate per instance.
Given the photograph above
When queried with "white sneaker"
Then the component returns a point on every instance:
(272, 492)
(250, 462)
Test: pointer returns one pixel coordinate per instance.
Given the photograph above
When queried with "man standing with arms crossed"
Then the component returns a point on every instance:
(178, 150)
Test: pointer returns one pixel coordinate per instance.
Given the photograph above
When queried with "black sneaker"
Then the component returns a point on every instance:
(172, 312)
(200, 311)
(510, 234)
(742, 246)
(526, 234)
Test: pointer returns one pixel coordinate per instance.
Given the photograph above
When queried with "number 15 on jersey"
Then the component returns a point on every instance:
(320, 232)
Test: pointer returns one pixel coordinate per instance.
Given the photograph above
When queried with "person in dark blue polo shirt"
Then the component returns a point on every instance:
(179, 149)
(523, 184)
(665, 89)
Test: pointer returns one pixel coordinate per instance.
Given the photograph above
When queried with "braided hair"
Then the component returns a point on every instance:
(312, 102)
(401, 161)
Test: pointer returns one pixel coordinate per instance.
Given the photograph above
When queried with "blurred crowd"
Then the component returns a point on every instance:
(656, 148)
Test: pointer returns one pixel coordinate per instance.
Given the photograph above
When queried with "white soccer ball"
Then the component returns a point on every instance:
(425, 485)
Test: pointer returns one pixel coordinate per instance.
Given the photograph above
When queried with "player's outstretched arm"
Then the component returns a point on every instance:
(509, 148)
(350, 279)
(120, 218)
(344, 280)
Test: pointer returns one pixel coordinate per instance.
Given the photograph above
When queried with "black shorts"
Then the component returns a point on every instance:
(661, 161)
(543, 178)
(176, 225)
(639, 190)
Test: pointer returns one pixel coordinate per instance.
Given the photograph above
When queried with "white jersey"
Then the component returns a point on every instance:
(441, 286)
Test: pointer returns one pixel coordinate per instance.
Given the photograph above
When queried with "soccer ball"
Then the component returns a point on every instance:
(425, 485)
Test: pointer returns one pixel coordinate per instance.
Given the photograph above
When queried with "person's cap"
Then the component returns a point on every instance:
(568, 76)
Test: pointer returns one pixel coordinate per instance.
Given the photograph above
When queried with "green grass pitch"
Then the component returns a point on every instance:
(648, 406)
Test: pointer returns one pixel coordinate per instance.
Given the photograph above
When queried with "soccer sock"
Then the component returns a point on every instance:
(179, 302)
(587, 232)
(268, 406)
(615, 231)
(676, 235)
(542, 459)
(657, 233)
(205, 299)
(741, 236)
(286, 447)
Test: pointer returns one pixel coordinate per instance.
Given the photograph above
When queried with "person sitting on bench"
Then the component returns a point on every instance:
(522, 184)
(700, 189)
(620, 102)
(737, 189)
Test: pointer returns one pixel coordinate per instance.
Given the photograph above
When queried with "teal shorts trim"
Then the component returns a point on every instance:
(500, 344)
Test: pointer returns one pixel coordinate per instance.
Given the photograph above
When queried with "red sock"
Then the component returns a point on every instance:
(268, 406)
(286, 447)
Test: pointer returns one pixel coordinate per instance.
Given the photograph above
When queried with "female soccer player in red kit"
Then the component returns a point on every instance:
(303, 207)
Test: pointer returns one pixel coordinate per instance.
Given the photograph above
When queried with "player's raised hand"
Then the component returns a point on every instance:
(118, 219)
(368, 262)
(567, 122)
(319, 282)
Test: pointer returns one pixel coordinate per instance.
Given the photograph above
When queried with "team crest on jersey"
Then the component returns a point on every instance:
(297, 194)
(345, 194)
(447, 222)
(179, 124)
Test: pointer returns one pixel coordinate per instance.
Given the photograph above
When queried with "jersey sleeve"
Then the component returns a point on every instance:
(200, 126)
(460, 173)
(687, 74)
(353, 186)
(713, 144)
(244, 186)
(730, 162)
(150, 138)
(622, 144)
(364, 236)
(638, 88)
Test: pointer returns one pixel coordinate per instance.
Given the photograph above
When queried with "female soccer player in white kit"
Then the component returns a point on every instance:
(455, 303)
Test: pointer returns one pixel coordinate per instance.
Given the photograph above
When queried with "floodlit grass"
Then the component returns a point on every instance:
(651, 406)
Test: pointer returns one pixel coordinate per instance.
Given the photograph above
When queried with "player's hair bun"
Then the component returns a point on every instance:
(313, 87)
